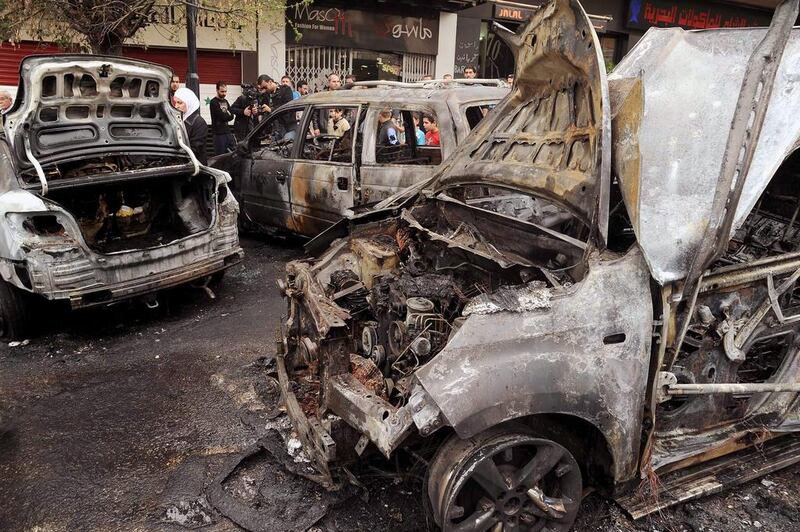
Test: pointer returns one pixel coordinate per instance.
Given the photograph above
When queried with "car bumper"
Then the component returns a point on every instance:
(72, 272)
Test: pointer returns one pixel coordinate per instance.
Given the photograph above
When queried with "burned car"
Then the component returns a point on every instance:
(100, 195)
(293, 174)
(599, 289)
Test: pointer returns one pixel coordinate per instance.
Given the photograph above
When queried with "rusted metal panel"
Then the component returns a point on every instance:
(552, 135)
(695, 77)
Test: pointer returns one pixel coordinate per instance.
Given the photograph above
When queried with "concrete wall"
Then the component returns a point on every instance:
(272, 46)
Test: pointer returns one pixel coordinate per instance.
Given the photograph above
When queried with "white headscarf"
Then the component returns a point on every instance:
(190, 99)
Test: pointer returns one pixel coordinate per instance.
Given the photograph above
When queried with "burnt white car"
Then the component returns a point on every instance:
(601, 287)
(101, 197)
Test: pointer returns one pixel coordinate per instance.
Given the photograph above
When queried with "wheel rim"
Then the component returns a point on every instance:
(514, 482)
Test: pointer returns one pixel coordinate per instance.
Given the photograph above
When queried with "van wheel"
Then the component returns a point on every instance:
(504, 479)
(15, 312)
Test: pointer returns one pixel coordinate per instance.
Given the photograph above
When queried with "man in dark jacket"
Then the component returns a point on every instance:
(246, 109)
(220, 116)
(278, 95)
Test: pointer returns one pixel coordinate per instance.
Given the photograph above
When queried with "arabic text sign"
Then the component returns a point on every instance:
(643, 14)
(359, 29)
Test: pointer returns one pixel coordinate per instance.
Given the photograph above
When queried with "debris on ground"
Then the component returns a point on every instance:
(263, 489)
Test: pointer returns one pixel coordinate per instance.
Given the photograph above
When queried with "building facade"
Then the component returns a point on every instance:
(402, 40)
(619, 25)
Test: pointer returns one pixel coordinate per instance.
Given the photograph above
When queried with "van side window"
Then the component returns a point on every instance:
(279, 132)
(330, 134)
(407, 136)
(475, 114)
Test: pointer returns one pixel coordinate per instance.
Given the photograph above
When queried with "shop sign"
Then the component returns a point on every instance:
(643, 14)
(513, 14)
(215, 31)
(519, 14)
(351, 28)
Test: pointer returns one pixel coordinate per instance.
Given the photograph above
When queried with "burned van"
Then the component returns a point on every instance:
(330, 154)
(600, 288)
(101, 197)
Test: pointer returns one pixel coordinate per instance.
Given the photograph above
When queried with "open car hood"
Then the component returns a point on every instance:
(550, 136)
(77, 106)
(674, 96)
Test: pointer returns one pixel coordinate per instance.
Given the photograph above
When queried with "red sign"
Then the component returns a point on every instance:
(699, 15)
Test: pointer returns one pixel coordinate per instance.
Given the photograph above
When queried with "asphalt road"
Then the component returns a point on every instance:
(123, 418)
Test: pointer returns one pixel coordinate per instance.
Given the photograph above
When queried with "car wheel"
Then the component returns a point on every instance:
(15, 312)
(504, 480)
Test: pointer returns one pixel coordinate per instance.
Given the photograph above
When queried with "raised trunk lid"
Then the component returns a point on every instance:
(551, 135)
(73, 107)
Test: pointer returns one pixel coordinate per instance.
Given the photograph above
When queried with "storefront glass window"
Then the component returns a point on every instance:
(369, 65)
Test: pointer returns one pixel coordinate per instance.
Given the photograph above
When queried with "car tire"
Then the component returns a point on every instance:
(505, 476)
(16, 317)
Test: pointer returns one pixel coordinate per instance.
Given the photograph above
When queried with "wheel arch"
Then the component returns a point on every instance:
(587, 443)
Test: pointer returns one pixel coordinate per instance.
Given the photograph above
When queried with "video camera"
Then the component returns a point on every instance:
(251, 94)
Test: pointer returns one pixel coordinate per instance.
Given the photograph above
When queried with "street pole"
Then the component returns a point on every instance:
(192, 79)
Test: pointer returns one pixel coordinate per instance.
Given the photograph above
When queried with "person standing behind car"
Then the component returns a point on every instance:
(246, 110)
(420, 135)
(321, 118)
(387, 132)
(286, 80)
(5, 101)
(187, 103)
(337, 123)
(220, 116)
(431, 130)
(174, 84)
(276, 96)
(302, 87)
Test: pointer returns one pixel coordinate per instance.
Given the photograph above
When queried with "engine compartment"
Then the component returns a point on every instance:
(404, 286)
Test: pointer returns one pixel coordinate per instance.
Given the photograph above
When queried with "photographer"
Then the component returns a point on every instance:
(256, 103)
(248, 106)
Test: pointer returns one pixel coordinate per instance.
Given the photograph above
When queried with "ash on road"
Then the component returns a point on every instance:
(121, 419)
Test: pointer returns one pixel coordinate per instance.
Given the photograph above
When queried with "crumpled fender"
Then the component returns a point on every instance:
(567, 359)
(12, 201)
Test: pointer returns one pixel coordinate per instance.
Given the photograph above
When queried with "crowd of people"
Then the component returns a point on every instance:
(258, 101)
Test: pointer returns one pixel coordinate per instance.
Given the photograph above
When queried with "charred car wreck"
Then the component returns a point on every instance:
(100, 196)
(592, 294)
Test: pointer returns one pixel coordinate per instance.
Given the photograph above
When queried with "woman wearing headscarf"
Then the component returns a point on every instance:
(187, 103)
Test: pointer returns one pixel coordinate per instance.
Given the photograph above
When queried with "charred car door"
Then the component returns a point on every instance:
(394, 156)
(265, 177)
(737, 367)
(323, 176)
